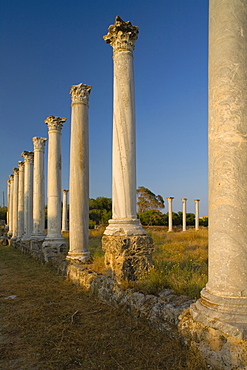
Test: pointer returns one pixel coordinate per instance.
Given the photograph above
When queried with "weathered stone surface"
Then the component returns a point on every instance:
(219, 350)
(129, 257)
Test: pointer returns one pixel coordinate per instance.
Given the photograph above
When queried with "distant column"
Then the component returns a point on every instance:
(65, 212)
(197, 214)
(8, 206)
(79, 174)
(15, 203)
(184, 200)
(28, 194)
(21, 200)
(11, 183)
(170, 199)
(54, 242)
(38, 189)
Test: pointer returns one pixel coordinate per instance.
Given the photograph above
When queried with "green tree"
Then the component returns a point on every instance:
(151, 218)
(99, 211)
(146, 200)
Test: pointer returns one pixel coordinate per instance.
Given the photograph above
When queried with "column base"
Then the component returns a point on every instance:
(53, 248)
(125, 227)
(228, 314)
(83, 257)
(127, 257)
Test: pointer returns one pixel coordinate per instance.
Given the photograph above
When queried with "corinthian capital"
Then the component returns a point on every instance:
(122, 35)
(80, 93)
(39, 143)
(28, 156)
(16, 171)
(55, 123)
(11, 178)
(21, 166)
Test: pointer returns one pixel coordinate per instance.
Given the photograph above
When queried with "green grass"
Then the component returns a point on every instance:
(180, 261)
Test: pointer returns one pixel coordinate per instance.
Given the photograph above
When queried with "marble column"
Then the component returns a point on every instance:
(79, 174)
(21, 200)
(65, 212)
(54, 243)
(11, 180)
(197, 214)
(122, 36)
(170, 199)
(184, 200)
(28, 194)
(15, 204)
(8, 206)
(38, 189)
(223, 303)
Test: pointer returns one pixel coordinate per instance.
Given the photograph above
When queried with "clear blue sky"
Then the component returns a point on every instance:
(48, 45)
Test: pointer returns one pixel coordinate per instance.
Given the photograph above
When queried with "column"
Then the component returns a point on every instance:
(184, 200)
(79, 174)
(170, 213)
(65, 212)
(223, 302)
(197, 214)
(8, 206)
(21, 200)
(15, 204)
(10, 210)
(122, 36)
(38, 189)
(54, 243)
(28, 194)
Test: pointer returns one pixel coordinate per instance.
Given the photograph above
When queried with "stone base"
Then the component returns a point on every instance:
(127, 257)
(83, 257)
(36, 247)
(219, 350)
(126, 227)
(53, 248)
(228, 314)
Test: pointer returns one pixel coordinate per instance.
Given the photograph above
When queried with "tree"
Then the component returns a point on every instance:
(100, 210)
(148, 201)
(151, 218)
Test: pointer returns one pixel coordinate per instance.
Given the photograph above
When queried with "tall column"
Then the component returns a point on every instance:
(21, 200)
(223, 302)
(15, 203)
(197, 214)
(10, 210)
(184, 200)
(8, 206)
(170, 213)
(54, 242)
(65, 212)
(122, 36)
(79, 174)
(38, 189)
(28, 194)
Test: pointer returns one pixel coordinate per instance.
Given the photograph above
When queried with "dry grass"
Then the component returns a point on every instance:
(54, 325)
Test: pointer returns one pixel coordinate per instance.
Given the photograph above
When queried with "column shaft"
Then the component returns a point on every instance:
(65, 212)
(170, 199)
(15, 203)
(10, 210)
(184, 200)
(21, 200)
(28, 194)
(197, 214)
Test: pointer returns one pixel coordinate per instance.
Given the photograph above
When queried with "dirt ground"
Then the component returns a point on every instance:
(47, 323)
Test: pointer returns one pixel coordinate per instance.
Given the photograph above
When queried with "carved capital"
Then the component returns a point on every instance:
(80, 93)
(121, 36)
(65, 191)
(16, 171)
(11, 178)
(55, 124)
(21, 165)
(39, 143)
(28, 156)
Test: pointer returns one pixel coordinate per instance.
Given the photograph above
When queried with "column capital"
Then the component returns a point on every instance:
(184, 199)
(21, 165)
(197, 200)
(55, 124)
(170, 198)
(15, 170)
(122, 35)
(80, 93)
(28, 156)
(39, 143)
(65, 191)
(11, 177)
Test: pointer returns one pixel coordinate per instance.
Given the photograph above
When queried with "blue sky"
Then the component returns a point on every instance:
(47, 46)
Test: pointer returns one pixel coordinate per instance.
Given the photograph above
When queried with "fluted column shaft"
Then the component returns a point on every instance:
(15, 203)
(11, 179)
(38, 188)
(197, 214)
(8, 213)
(184, 200)
(65, 212)
(21, 200)
(170, 199)
(28, 194)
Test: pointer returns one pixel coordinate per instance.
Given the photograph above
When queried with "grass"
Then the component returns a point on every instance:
(180, 261)
(52, 324)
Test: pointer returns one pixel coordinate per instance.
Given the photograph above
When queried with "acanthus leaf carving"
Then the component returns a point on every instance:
(80, 93)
